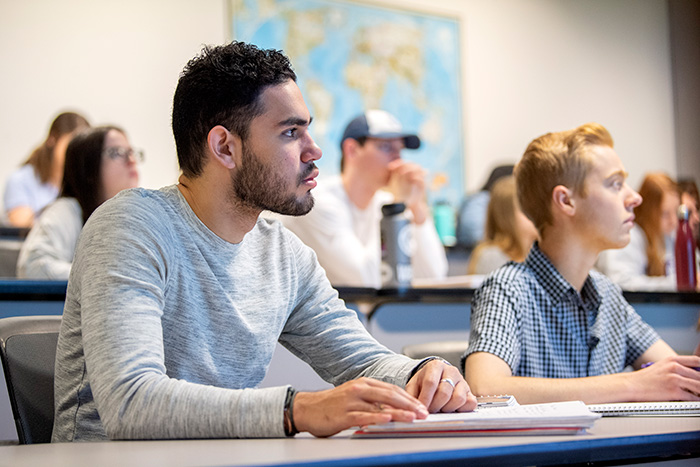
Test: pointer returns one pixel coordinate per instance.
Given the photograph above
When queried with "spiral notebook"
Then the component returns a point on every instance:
(627, 409)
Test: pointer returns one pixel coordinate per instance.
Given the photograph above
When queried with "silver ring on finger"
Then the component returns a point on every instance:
(448, 381)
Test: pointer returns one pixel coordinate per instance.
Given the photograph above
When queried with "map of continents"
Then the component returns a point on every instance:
(350, 57)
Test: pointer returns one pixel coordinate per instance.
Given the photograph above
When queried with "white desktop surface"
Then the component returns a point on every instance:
(610, 437)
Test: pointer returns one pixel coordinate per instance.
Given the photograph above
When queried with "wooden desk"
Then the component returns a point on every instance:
(611, 440)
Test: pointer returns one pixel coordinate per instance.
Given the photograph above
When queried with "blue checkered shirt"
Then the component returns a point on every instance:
(528, 315)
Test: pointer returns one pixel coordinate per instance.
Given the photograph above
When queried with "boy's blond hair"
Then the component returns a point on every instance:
(561, 158)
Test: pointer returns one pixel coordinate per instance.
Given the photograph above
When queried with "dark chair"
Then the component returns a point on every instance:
(28, 352)
(8, 428)
(451, 351)
(11, 239)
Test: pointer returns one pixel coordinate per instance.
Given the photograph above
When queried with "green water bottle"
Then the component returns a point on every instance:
(444, 218)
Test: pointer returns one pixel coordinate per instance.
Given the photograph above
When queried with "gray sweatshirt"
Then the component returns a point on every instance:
(168, 329)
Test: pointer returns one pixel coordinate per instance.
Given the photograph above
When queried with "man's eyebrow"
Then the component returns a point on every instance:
(296, 121)
(617, 173)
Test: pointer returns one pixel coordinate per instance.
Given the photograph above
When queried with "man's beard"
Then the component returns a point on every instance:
(259, 186)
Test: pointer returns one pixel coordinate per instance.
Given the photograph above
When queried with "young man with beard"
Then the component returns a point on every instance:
(178, 296)
(550, 328)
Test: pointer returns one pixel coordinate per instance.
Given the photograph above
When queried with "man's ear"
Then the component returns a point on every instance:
(349, 148)
(224, 146)
(563, 200)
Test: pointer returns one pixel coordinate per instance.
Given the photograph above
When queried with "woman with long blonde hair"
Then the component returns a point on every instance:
(508, 235)
(647, 262)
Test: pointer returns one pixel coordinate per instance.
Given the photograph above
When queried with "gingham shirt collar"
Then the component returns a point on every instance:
(556, 286)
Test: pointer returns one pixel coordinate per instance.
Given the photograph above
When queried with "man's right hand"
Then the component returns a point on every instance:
(669, 379)
(359, 402)
(407, 184)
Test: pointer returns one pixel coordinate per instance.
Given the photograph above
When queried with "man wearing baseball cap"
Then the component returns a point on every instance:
(343, 226)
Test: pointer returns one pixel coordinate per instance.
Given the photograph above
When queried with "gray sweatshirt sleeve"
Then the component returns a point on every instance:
(119, 298)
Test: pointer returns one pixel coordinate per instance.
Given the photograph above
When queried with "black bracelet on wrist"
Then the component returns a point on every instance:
(290, 428)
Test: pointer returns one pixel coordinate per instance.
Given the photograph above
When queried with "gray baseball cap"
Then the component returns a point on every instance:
(379, 124)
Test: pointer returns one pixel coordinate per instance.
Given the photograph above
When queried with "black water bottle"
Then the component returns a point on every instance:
(395, 230)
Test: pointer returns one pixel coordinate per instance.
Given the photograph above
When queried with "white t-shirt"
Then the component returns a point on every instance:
(347, 241)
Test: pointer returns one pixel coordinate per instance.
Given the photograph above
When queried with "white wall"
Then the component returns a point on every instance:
(115, 61)
(536, 66)
(556, 65)
(529, 67)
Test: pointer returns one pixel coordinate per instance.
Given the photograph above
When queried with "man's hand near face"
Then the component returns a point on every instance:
(407, 184)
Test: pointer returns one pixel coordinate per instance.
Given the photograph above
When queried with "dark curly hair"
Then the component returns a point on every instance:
(222, 86)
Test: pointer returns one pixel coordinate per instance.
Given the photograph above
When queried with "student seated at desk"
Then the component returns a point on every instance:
(178, 296)
(36, 184)
(99, 164)
(343, 227)
(552, 316)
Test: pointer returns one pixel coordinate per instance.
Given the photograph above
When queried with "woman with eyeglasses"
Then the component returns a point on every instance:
(100, 163)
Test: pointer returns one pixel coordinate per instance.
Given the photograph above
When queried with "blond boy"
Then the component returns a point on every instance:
(552, 329)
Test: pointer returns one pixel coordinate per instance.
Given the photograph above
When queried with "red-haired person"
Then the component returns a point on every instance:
(648, 261)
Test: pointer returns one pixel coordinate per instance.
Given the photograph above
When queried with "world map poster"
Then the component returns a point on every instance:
(350, 56)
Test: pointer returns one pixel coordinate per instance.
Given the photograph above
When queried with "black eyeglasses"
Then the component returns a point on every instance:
(387, 146)
(124, 154)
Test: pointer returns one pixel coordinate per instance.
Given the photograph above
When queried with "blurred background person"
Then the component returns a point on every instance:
(99, 163)
(471, 216)
(648, 261)
(509, 234)
(37, 182)
(343, 226)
